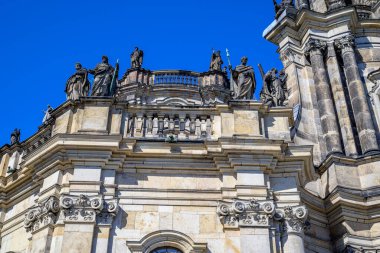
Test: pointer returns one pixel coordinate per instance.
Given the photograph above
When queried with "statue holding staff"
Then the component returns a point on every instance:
(243, 82)
(103, 76)
(77, 85)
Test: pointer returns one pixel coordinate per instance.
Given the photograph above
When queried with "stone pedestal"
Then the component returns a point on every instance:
(363, 119)
(315, 49)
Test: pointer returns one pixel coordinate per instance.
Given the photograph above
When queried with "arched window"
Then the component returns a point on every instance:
(166, 250)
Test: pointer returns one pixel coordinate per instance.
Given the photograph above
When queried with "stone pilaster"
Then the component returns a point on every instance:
(39, 221)
(293, 220)
(80, 214)
(340, 102)
(358, 96)
(315, 50)
(252, 218)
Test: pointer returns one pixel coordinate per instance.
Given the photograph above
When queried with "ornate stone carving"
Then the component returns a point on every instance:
(315, 45)
(335, 4)
(345, 43)
(42, 215)
(280, 8)
(351, 249)
(87, 208)
(249, 213)
(374, 77)
(293, 218)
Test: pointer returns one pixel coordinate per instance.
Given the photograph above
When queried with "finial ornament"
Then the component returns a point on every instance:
(137, 58)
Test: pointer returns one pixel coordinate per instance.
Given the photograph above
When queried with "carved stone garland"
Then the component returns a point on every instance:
(42, 215)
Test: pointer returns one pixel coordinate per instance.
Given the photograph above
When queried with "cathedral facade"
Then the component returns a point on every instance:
(187, 162)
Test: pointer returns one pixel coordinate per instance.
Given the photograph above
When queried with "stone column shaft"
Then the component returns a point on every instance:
(326, 109)
(358, 97)
(340, 102)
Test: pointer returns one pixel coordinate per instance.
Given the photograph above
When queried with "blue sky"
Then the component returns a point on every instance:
(40, 42)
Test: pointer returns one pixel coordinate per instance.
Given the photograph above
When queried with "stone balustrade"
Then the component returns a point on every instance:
(175, 77)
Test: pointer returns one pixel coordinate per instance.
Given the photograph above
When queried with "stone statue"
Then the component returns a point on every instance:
(243, 81)
(279, 8)
(77, 85)
(47, 115)
(137, 58)
(15, 136)
(216, 61)
(274, 87)
(103, 77)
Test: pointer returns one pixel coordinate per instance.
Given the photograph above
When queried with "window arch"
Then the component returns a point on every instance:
(166, 250)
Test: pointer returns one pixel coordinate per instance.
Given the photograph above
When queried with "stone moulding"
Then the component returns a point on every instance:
(44, 214)
(245, 213)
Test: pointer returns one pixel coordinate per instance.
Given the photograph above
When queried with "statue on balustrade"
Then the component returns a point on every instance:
(273, 92)
(280, 8)
(137, 58)
(243, 82)
(104, 77)
(216, 61)
(15, 136)
(77, 85)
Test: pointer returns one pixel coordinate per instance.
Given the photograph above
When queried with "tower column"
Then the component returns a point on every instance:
(315, 49)
(340, 102)
(358, 97)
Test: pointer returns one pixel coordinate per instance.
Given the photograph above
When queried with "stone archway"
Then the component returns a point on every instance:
(166, 238)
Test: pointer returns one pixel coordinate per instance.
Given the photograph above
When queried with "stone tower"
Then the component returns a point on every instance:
(330, 50)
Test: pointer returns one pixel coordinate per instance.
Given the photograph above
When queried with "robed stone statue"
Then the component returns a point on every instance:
(216, 61)
(137, 58)
(243, 82)
(77, 85)
(273, 92)
(103, 78)
(15, 136)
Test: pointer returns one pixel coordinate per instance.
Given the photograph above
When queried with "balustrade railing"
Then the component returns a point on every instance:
(175, 78)
(183, 127)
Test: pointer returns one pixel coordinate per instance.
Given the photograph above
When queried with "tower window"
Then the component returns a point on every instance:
(166, 250)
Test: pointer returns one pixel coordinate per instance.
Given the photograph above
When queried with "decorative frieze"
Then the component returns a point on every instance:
(42, 215)
(245, 213)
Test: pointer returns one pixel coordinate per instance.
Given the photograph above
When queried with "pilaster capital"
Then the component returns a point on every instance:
(345, 43)
(315, 46)
(42, 215)
(293, 218)
(335, 4)
(245, 213)
(83, 208)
